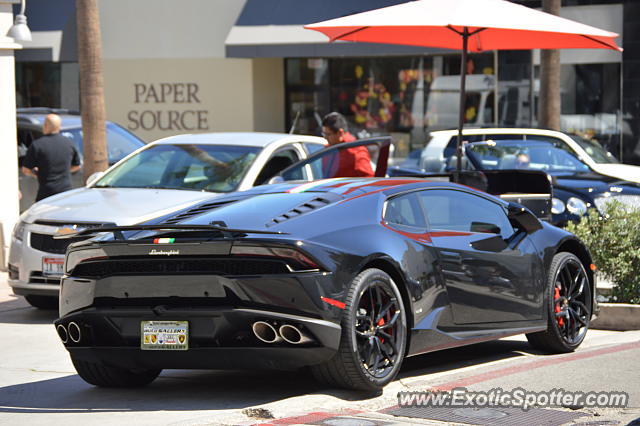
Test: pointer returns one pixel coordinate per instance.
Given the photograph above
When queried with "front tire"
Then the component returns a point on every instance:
(374, 335)
(113, 377)
(568, 306)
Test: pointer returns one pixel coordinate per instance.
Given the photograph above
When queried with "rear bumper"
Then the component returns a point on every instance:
(220, 311)
(219, 338)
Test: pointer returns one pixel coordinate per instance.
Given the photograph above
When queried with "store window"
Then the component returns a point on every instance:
(400, 96)
(48, 84)
(590, 99)
(307, 93)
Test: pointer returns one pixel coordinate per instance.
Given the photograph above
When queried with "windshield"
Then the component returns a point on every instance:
(595, 150)
(120, 142)
(216, 168)
(492, 155)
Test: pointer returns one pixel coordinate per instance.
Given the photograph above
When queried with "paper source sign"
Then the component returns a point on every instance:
(170, 106)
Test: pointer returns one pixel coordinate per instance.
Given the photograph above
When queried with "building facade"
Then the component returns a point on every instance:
(219, 65)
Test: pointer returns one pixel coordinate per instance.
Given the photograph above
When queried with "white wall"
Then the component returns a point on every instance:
(138, 29)
(166, 72)
(9, 207)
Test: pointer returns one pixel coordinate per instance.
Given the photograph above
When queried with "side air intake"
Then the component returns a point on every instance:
(306, 207)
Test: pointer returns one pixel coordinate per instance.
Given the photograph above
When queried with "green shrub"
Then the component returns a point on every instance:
(614, 242)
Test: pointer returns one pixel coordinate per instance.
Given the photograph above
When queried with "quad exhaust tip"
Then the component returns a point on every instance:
(62, 333)
(265, 332)
(74, 332)
(293, 335)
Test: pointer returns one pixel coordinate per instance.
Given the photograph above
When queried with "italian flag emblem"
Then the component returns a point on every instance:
(164, 241)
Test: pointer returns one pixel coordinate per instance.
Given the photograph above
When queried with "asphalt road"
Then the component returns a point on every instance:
(38, 385)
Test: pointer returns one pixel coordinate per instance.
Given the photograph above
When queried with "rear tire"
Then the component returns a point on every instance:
(113, 377)
(374, 336)
(567, 300)
(43, 302)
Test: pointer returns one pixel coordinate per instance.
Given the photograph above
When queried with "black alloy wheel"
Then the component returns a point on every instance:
(374, 335)
(377, 329)
(568, 304)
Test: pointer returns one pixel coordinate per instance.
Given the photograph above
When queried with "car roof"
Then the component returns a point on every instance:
(36, 116)
(349, 187)
(68, 121)
(498, 131)
(519, 142)
(255, 139)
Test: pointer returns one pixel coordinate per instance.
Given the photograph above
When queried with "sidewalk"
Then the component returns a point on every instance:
(8, 300)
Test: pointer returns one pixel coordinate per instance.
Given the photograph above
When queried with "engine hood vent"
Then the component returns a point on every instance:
(202, 208)
(303, 208)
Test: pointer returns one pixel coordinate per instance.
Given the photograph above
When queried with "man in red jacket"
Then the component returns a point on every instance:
(351, 162)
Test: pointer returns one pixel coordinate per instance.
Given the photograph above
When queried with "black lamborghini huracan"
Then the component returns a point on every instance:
(345, 276)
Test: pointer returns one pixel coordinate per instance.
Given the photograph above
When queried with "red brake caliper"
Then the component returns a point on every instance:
(380, 323)
(557, 308)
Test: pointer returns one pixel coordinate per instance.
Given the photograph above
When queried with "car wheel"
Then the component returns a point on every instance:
(374, 335)
(113, 377)
(568, 305)
(42, 302)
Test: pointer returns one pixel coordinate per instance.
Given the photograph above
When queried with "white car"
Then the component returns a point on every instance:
(164, 176)
(437, 155)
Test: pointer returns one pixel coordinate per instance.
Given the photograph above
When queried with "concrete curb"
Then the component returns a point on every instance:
(617, 316)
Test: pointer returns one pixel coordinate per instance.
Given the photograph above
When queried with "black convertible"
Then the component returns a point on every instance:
(345, 276)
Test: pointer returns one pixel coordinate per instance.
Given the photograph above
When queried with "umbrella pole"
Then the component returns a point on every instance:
(463, 81)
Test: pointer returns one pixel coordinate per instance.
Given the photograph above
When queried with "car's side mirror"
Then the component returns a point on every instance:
(276, 179)
(523, 218)
(94, 177)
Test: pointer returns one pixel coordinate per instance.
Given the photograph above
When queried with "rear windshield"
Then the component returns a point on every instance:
(120, 142)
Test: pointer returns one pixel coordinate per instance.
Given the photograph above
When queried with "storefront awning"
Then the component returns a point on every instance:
(274, 28)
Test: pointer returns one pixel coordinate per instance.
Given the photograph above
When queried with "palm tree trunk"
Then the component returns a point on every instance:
(549, 101)
(91, 87)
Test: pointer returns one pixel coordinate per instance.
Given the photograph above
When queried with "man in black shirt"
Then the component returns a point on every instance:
(51, 158)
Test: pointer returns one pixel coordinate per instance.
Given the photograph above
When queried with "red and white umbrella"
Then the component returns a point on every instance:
(468, 25)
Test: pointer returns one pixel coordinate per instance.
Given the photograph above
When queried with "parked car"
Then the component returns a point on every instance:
(442, 146)
(120, 143)
(575, 186)
(158, 178)
(347, 276)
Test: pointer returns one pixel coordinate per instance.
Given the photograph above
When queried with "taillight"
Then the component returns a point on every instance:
(78, 256)
(296, 260)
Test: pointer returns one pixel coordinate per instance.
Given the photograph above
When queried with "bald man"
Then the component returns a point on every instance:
(51, 158)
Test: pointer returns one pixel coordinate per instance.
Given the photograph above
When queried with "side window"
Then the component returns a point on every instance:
(404, 210)
(278, 162)
(313, 147)
(25, 137)
(452, 210)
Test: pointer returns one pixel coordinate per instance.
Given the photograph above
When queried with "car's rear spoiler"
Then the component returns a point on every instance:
(530, 188)
(118, 230)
